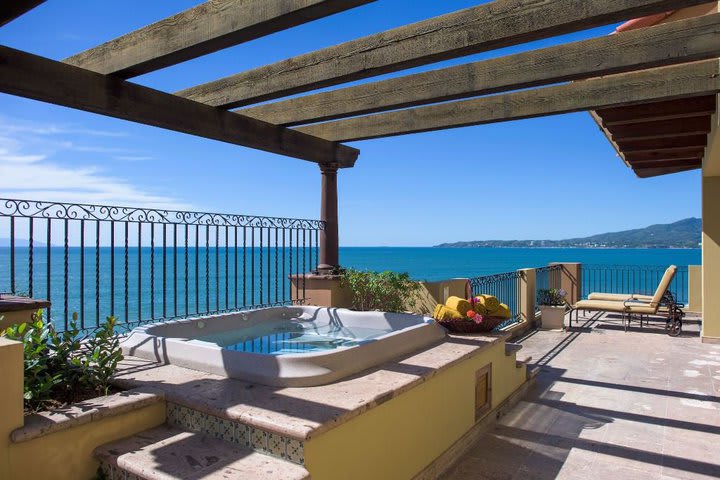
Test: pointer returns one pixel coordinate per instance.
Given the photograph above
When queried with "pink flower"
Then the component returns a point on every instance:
(478, 318)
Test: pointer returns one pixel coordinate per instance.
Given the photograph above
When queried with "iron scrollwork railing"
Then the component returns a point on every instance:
(642, 279)
(142, 264)
(505, 286)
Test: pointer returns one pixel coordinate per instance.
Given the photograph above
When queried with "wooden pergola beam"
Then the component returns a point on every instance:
(690, 163)
(489, 26)
(656, 172)
(666, 110)
(629, 146)
(662, 129)
(675, 42)
(680, 81)
(39, 78)
(667, 162)
(206, 28)
(12, 9)
(666, 154)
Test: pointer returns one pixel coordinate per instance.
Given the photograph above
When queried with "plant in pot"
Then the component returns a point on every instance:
(552, 308)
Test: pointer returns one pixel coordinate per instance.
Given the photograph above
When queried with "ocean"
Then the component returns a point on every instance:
(143, 296)
(442, 263)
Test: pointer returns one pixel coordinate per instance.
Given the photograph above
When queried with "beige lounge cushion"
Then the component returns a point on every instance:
(615, 297)
(615, 306)
(664, 285)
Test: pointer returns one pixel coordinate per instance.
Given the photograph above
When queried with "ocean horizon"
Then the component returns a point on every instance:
(440, 263)
(199, 280)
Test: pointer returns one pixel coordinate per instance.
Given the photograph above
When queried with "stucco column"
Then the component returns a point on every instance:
(526, 295)
(711, 259)
(11, 399)
(329, 240)
(571, 281)
(711, 236)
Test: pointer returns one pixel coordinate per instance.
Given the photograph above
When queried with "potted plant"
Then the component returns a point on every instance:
(552, 308)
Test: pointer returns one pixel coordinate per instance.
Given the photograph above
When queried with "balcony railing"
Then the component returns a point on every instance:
(642, 279)
(140, 264)
(504, 286)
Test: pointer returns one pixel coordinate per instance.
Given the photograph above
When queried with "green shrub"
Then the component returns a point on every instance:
(60, 367)
(551, 296)
(381, 291)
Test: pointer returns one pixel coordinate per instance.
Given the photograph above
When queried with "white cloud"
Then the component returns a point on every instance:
(132, 158)
(96, 149)
(29, 171)
(14, 126)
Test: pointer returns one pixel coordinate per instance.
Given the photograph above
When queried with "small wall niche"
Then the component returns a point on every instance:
(483, 391)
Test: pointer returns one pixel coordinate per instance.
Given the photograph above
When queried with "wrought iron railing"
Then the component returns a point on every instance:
(546, 278)
(140, 264)
(642, 279)
(504, 286)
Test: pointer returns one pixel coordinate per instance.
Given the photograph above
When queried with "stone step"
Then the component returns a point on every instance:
(168, 453)
(511, 348)
(524, 361)
(271, 442)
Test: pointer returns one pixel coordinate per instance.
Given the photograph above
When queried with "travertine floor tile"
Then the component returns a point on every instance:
(609, 405)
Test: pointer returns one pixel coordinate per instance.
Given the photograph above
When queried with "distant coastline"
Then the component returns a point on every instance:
(566, 246)
(683, 234)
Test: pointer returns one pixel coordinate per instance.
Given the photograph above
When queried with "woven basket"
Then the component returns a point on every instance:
(468, 326)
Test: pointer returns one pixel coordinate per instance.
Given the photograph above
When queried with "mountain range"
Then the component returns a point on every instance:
(20, 242)
(685, 233)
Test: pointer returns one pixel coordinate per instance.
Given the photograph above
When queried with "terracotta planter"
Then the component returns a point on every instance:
(552, 318)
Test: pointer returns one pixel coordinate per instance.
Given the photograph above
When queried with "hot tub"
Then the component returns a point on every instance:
(285, 346)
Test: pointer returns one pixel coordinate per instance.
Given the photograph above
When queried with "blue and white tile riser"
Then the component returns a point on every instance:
(257, 439)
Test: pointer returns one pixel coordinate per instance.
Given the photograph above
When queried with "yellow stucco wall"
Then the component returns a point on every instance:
(711, 259)
(711, 236)
(11, 399)
(63, 455)
(432, 293)
(694, 289)
(8, 319)
(68, 454)
(425, 420)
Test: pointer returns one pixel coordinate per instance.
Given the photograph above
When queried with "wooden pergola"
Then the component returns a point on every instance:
(639, 82)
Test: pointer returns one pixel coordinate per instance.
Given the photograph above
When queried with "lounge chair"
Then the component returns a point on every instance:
(621, 297)
(628, 305)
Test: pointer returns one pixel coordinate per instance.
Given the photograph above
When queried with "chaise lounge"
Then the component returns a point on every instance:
(633, 304)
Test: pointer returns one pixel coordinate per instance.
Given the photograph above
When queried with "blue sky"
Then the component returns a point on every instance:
(550, 178)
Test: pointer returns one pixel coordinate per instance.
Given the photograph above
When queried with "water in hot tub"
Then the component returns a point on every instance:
(292, 336)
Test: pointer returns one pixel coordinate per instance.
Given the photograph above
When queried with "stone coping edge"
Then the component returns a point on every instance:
(44, 423)
(14, 303)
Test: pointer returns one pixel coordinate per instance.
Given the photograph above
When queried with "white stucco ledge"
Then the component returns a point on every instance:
(45, 423)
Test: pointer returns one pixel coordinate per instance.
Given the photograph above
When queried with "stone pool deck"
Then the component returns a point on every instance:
(609, 404)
